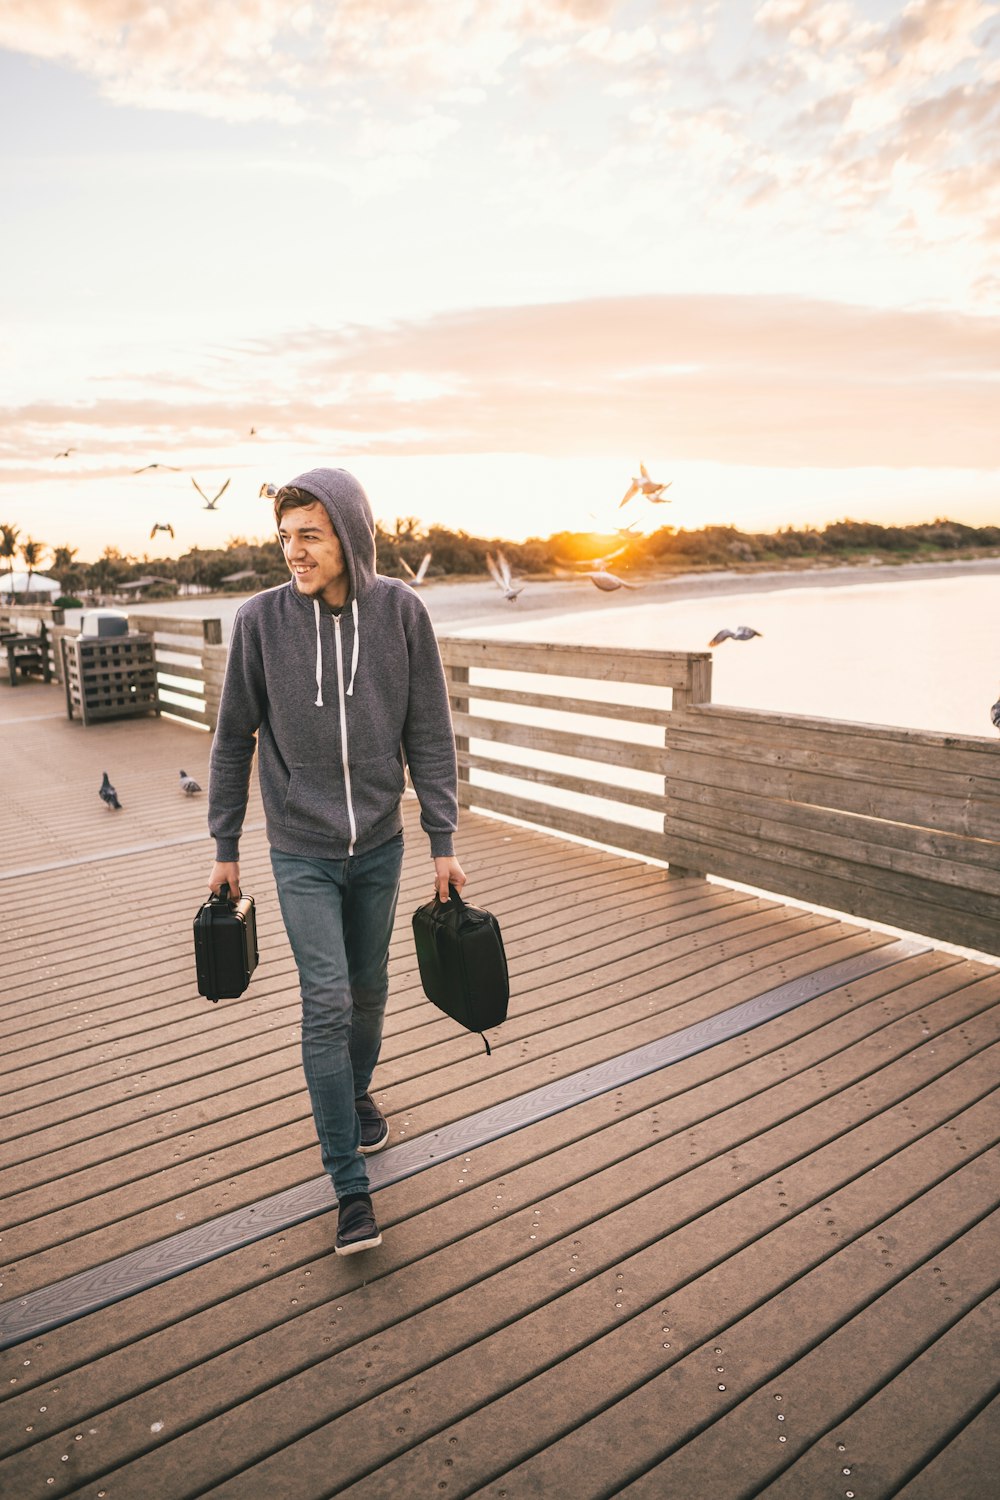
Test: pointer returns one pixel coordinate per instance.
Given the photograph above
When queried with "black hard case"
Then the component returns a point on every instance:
(225, 945)
(463, 966)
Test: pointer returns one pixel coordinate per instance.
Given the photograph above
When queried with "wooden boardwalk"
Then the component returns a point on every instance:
(767, 1267)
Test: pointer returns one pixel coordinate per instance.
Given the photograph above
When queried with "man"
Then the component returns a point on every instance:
(335, 677)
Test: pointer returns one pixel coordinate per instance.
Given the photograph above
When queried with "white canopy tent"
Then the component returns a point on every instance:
(20, 583)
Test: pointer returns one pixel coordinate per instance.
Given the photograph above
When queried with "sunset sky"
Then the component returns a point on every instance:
(489, 256)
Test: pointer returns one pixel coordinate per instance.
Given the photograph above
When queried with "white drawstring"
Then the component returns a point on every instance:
(319, 653)
(354, 648)
(319, 658)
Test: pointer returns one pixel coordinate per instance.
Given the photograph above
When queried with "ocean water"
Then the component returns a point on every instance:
(918, 655)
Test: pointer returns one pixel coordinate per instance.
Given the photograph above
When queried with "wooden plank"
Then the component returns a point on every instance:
(959, 1468)
(609, 791)
(522, 1358)
(668, 668)
(954, 814)
(903, 1425)
(883, 841)
(205, 630)
(918, 1398)
(35, 1313)
(559, 703)
(608, 751)
(186, 669)
(974, 753)
(975, 890)
(584, 825)
(878, 769)
(845, 1015)
(928, 917)
(618, 1400)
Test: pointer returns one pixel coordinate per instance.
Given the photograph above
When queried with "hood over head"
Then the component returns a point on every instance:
(346, 503)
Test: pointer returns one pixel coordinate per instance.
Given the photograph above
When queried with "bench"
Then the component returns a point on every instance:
(26, 643)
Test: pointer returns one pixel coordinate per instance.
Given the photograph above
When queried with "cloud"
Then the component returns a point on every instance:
(739, 380)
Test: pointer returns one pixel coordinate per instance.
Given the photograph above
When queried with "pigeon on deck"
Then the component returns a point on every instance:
(188, 785)
(107, 793)
(741, 633)
(995, 714)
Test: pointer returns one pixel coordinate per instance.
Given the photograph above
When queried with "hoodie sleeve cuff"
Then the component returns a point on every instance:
(442, 845)
(227, 851)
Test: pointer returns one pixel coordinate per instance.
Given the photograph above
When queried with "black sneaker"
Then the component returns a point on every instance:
(357, 1228)
(374, 1126)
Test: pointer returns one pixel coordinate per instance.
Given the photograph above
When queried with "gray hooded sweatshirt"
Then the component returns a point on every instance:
(334, 703)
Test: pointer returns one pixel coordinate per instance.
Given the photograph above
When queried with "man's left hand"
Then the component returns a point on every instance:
(447, 872)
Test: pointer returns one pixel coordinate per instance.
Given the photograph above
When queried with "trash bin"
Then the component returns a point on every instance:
(109, 673)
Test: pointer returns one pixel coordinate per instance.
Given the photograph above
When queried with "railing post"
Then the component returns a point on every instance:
(697, 689)
(213, 663)
(458, 678)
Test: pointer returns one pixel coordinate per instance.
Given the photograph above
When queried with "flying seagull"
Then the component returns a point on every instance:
(995, 714)
(146, 467)
(649, 487)
(161, 526)
(65, 453)
(608, 582)
(210, 504)
(107, 793)
(188, 785)
(500, 573)
(741, 633)
(252, 432)
(417, 578)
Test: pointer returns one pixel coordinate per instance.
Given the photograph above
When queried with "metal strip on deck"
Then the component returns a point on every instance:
(102, 854)
(64, 1301)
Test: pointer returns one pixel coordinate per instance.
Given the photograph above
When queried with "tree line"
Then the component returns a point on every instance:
(456, 553)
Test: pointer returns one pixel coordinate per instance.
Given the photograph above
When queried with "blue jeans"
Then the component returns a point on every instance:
(338, 914)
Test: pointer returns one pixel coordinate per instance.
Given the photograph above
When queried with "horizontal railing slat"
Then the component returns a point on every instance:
(881, 770)
(559, 703)
(932, 918)
(978, 858)
(561, 742)
(608, 790)
(667, 668)
(857, 862)
(976, 754)
(585, 825)
(955, 814)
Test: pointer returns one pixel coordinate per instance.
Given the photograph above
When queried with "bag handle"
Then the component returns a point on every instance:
(453, 895)
(223, 897)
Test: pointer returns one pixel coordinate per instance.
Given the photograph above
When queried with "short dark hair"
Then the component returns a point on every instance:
(289, 497)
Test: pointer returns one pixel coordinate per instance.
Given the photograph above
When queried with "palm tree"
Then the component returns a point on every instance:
(8, 549)
(31, 553)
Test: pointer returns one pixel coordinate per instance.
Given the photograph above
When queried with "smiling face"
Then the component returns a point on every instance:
(314, 555)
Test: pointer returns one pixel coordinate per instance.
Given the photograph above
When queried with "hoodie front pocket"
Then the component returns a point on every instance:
(376, 787)
(316, 801)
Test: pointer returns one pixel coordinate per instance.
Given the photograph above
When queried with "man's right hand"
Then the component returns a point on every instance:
(226, 873)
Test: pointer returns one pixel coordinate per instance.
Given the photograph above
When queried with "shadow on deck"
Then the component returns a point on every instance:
(764, 1263)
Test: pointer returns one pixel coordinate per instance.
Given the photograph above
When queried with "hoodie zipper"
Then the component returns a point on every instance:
(343, 735)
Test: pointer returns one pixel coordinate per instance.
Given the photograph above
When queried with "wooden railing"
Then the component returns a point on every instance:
(595, 769)
(892, 825)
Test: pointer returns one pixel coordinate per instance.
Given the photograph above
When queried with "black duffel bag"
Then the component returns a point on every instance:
(463, 967)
